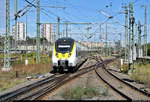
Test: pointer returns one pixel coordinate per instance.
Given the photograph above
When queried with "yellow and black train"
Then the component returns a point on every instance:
(64, 55)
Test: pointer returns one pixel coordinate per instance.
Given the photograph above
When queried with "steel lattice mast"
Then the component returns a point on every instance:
(132, 38)
(6, 42)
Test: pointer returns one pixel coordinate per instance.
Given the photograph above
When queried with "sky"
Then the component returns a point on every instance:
(79, 11)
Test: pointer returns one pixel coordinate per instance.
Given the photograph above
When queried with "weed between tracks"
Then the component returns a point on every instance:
(83, 93)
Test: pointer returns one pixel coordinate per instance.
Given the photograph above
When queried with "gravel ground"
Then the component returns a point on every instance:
(82, 81)
(90, 79)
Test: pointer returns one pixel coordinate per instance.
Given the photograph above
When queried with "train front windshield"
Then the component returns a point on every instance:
(63, 47)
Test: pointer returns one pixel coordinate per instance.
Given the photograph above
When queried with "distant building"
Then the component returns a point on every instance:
(47, 32)
(21, 31)
(2, 35)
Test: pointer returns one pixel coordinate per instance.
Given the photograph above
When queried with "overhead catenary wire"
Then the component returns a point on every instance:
(31, 3)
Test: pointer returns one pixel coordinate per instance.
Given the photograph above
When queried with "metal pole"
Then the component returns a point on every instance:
(38, 33)
(106, 41)
(6, 43)
(58, 21)
(16, 38)
(120, 44)
(130, 52)
(100, 40)
(26, 61)
(139, 40)
(54, 34)
(136, 39)
(145, 32)
(126, 33)
(63, 33)
(66, 29)
(26, 36)
(109, 49)
(115, 47)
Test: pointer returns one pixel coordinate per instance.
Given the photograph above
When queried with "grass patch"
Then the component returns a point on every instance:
(20, 71)
(20, 58)
(6, 84)
(78, 92)
(142, 72)
(31, 69)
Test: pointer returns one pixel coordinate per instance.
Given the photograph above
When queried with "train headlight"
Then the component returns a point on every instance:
(69, 54)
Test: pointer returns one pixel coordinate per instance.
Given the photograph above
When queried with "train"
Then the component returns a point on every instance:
(64, 54)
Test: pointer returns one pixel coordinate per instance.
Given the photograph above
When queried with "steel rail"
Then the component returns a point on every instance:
(127, 84)
(44, 90)
(9, 96)
(60, 83)
(119, 92)
(143, 92)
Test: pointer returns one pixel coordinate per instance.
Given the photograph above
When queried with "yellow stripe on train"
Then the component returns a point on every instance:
(66, 55)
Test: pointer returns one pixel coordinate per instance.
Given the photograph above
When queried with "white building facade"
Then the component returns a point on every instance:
(47, 32)
(21, 31)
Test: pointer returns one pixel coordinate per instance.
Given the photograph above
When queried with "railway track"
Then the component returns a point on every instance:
(126, 90)
(39, 89)
(15, 94)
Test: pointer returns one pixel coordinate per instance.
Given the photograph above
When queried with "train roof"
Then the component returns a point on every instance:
(65, 38)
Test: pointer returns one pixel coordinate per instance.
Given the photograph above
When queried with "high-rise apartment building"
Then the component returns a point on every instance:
(47, 32)
(21, 31)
